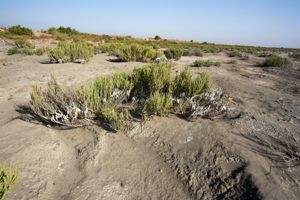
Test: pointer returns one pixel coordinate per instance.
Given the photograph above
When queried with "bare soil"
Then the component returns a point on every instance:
(254, 154)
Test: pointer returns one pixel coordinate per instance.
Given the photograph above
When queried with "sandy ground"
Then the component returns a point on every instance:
(252, 156)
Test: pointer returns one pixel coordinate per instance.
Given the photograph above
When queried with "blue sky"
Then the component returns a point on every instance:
(247, 22)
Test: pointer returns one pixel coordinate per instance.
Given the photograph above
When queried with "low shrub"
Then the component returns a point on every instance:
(40, 51)
(100, 97)
(24, 44)
(20, 30)
(173, 53)
(113, 118)
(71, 52)
(193, 52)
(186, 86)
(136, 52)
(211, 49)
(155, 46)
(277, 61)
(149, 90)
(54, 105)
(27, 51)
(106, 47)
(26, 48)
(64, 30)
(8, 178)
(16, 50)
(157, 37)
(51, 30)
(205, 63)
(234, 53)
(158, 104)
(151, 79)
(121, 81)
(98, 92)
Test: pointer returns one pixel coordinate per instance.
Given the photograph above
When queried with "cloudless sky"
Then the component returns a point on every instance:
(246, 22)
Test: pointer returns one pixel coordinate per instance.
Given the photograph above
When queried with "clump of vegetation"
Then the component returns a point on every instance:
(121, 81)
(71, 52)
(55, 105)
(185, 85)
(40, 51)
(107, 47)
(210, 48)
(151, 79)
(136, 52)
(116, 119)
(104, 97)
(22, 44)
(158, 104)
(193, 52)
(114, 100)
(157, 37)
(26, 51)
(67, 30)
(27, 48)
(234, 53)
(205, 63)
(8, 178)
(64, 30)
(277, 61)
(173, 53)
(20, 30)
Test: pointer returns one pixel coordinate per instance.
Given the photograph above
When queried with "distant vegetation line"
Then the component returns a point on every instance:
(67, 33)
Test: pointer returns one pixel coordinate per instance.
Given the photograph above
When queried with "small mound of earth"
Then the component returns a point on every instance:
(206, 168)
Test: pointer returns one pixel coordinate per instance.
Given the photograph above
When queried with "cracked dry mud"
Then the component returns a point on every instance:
(252, 155)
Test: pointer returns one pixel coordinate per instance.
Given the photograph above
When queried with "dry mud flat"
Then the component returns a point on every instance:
(252, 155)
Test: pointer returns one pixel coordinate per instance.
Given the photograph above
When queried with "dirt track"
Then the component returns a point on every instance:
(252, 155)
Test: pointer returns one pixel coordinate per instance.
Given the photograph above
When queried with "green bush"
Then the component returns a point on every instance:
(106, 47)
(67, 30)
(158, 104)
(152, 78)
(40, 51)
(51, 30)
(234, 53)
(99, 96)
(136, 52)
(98, 92)
(201, 84)
(211, 49)
(16, 50)
(54, 105)
(114, 119)
(26, 48)
(71, 52)
(121, 81)
(193, 52)
(20, 30)
(205, 63)
(24, 44)
(185, 85)
(147, 91)
(8, 178)
(277, 61)
(173, 53)
(157, 37)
